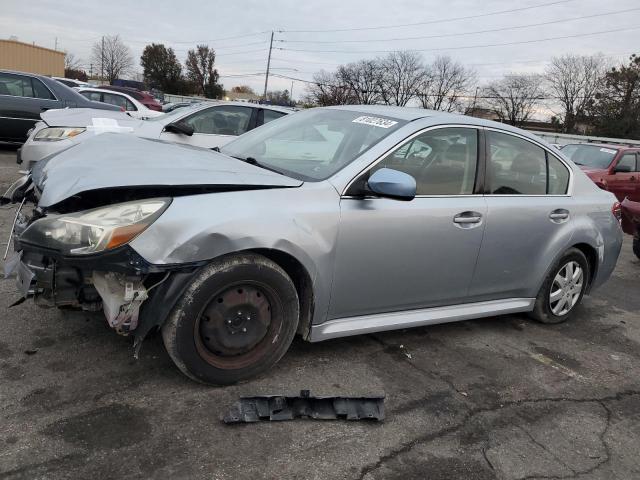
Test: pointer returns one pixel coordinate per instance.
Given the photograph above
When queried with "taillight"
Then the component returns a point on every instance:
(616, 209)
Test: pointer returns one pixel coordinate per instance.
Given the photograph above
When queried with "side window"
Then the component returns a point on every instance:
(222, 120)
(130, 107)
(15, 85)
(40, 91)
(516, 166)
(93, 96)
(270, 115)
(558, 176)
(443, 161)
(114, 99)
(628, 160)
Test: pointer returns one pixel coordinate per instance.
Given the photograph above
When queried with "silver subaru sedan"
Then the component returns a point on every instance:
(326, 223)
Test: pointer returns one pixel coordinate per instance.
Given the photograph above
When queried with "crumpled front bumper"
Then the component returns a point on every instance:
(117, 281)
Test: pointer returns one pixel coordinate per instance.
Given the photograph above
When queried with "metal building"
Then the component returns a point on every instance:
(24, 57)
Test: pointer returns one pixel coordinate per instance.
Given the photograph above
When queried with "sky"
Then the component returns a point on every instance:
(310, 36)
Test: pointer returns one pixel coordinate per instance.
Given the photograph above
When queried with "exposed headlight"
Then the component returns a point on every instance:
(53, 134)
(95, 230)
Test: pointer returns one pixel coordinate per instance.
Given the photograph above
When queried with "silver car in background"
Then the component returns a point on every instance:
(208, 124)
(330, 222)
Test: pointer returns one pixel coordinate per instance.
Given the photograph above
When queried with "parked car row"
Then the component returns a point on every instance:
(328, 222)
(24, 96)
(205, 124)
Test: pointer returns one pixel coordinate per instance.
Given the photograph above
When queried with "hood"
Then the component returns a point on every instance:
(113, 160)
(81, 117)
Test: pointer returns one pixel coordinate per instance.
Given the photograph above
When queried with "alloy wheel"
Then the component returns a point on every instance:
(566, 288)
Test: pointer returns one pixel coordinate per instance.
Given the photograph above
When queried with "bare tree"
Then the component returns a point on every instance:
(401, 74)
(112, 57)
(200, 70)
(71, 62)
(573, 82)
(514, 98)
(363, 78)
(444, 82)
(326, 90)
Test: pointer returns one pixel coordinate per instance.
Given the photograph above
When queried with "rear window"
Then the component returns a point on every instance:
(593, 156)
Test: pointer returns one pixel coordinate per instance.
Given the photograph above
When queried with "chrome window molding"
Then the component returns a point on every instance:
(400, 144)
(548, 151)
(476, 127)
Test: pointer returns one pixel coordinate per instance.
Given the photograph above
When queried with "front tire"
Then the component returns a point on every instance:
(563, 288)
(234, 322)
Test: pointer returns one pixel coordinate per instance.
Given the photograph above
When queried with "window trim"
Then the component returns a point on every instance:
(635, 169)
(480, 174)
(34, 79)
(31, 79)
(253, 118)
(547, 151)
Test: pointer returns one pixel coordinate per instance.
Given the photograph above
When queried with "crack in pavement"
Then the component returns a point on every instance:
(473, 412)
(426, 438)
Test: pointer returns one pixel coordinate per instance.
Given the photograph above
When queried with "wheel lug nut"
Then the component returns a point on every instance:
(244, 330)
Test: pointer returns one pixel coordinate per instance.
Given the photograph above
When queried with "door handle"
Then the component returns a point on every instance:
(466, 218)
(559, 215)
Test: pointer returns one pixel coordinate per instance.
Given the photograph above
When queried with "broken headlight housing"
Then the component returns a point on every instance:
(53, 134)
(97, 230)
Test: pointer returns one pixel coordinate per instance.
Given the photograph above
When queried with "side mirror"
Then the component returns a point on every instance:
(179, 127)
(390, 183)
(621, 169)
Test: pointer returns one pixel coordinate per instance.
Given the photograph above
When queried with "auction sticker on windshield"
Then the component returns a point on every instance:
(375, 121)
(608, 150)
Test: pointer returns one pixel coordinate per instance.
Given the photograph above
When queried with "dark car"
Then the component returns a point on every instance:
(615, 168)
(23, 96)
(144, 98)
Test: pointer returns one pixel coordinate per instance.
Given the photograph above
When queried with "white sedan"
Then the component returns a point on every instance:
(126, 102)
(207, 124)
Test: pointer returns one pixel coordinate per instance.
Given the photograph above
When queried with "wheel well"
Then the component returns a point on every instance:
(592, 258)
(302, 281)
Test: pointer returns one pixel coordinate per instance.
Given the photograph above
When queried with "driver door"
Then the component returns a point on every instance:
(214, 126)
(400, 255)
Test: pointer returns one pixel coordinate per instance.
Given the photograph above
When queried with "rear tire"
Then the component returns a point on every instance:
(563, 289)
(234, 322)
(636, 246)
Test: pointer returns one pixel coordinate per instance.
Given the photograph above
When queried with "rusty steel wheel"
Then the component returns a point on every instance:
(236, 320)
(236, 326)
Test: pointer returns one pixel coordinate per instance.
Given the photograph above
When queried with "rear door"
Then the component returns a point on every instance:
(622, 180)
(22, 99)
(215, 126)
(528, 210)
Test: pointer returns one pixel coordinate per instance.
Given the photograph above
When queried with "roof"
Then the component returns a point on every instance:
(605, 145)
(31, 45)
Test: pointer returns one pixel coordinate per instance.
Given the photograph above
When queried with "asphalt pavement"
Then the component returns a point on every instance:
(503, 398)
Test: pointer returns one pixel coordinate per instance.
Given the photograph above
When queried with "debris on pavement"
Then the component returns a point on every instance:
(286, 407)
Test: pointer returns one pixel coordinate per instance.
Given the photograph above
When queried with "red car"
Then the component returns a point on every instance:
(615, 168)
(144, 98)
(631, 222)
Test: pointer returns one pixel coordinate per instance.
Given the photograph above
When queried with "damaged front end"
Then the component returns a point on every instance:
(82, 260)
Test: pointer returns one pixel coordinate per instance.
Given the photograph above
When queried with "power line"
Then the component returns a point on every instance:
(452, 19)
(210, 40)
(445, 35)
(465, 47)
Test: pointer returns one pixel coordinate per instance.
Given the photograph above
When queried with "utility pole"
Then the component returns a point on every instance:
(56, 47)
(102, 60)
(91, 70)
(266, 77)
(291, 92)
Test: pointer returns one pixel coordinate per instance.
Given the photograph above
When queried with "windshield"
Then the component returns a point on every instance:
(593, 156)
(314, 144)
